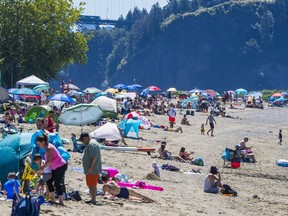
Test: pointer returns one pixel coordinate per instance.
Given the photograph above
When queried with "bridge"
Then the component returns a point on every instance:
(96, 21)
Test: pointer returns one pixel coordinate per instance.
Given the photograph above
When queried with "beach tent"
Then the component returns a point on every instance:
(130, 128)
(37, 112)
(30, 81)
(107, 105)
(108, 131)
(241, 92)
(192, 100)
(13, 149)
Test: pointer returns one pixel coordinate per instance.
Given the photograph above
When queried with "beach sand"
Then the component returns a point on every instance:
(183, 194)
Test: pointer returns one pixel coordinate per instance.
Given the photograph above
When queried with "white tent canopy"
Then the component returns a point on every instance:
(109, 131)
(31, 80)
(105, 103)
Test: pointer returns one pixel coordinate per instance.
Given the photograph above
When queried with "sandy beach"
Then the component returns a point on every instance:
(183, 194)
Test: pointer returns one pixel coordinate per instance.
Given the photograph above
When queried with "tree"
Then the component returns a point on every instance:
(36, 37)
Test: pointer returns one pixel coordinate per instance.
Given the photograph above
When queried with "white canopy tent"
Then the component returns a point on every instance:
(30, 81)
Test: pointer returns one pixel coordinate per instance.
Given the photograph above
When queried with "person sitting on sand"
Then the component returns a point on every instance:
(212, 182)
(185, 155)
(165, 154)
(185, 121)
(246, 151)
(112, 188)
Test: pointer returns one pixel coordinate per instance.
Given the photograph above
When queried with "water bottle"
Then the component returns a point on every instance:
(156, 169)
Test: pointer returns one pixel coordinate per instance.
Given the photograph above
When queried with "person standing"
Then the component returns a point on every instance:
(211, 122)
(280, 137)
(49, 123)
(92, 164)
(58, 165)
(172, 115)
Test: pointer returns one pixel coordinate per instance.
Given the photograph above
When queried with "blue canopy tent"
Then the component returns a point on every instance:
(192, 100)
(13, 149)
(130, 128)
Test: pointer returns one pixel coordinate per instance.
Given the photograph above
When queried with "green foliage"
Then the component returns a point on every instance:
(36, 38)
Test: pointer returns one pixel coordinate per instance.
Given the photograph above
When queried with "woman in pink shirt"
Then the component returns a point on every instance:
(59, 167)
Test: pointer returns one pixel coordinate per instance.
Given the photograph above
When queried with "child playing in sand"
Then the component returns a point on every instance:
(45, 176)
(202, 129)
(280, 137)
(11, 185)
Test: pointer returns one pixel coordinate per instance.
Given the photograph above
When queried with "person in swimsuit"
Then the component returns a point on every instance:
(112, 188)
(49, 123)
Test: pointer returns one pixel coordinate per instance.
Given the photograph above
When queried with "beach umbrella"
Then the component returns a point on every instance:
(171, 89)
(92, 90)
(3, 94)
(81, 114)
(120, 96)
(196, 90)
(153, 88)
(62, 97)
(284, 93)
(120, 86)
(40, 88)
(132, 115)
(131, 88)
(112, 90)
(137, 85)
(74, 93)
(255, 94)
(70, 87)
(231, 91)
(241, 91)
(211, 92)
(25, 91)
(277, 94)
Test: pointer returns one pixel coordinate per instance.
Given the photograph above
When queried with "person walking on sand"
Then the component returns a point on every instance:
(211, 122)
(92, 164)
(280, 137)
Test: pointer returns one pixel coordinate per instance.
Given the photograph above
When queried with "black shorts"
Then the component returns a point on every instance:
(212, 125)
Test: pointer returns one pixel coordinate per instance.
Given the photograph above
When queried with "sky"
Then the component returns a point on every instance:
(113, 9)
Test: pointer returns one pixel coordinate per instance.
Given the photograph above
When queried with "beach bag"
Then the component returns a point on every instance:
(226, 155)
(198, 161)
(229, 190)
(75, 195)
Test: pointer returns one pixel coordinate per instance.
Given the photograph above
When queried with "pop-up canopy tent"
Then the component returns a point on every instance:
(13, 149)
(130, 128)
(37, 112)
(108, 131)
(30, 81)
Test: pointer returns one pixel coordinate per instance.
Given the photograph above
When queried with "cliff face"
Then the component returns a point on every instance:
(230, 45)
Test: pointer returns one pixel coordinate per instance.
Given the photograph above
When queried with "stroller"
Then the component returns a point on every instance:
(231, 156)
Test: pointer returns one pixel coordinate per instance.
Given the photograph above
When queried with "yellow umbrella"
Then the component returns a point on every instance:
(171, 89)
(111, 90)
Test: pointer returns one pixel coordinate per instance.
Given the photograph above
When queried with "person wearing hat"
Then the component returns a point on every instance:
(212, 182)
(92, 164)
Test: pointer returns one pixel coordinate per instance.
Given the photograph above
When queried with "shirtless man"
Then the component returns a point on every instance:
(244, 150)
(122, 192)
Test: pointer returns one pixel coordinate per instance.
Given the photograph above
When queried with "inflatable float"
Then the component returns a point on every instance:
(282, 162)
(141, 185)
(142, 149)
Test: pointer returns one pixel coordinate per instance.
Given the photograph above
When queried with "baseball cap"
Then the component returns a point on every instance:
(82, 135)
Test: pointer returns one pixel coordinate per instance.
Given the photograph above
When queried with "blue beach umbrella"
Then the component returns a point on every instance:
(241, 92)
(62, 97)
(120, 86)
(25, 91)
(137, 85)
(196, 90)
(40, 88)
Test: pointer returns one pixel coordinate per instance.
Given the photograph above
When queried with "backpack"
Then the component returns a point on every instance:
(229, 190)
(198, 161)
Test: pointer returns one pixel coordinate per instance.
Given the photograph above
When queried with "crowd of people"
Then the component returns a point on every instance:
(52, 167)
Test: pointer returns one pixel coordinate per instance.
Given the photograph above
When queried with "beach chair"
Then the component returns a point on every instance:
(230, 155)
